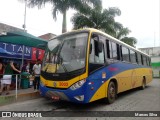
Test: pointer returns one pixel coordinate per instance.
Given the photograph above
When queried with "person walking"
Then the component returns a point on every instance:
(7, 77)
(36, 71)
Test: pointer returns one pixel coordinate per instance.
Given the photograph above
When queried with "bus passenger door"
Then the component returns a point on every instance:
(96, 54)
(97, 73)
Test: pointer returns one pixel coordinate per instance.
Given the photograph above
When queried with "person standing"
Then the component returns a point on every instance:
(13, 82)
(36, 71)
(25, 67)
(1, 70)
(7, 77)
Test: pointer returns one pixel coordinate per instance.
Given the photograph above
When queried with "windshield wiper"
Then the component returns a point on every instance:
(60, 61)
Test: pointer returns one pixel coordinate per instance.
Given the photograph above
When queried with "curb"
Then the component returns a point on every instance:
(20, 98)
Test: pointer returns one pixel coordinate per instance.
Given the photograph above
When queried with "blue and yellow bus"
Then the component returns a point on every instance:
(86, 65)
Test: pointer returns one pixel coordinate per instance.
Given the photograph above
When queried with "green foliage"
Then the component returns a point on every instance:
(103, 19)
(130, 41)
(90, 14)
(99, 19)
(63, 5)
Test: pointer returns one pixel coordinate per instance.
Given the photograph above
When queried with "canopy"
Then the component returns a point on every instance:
(23, 38)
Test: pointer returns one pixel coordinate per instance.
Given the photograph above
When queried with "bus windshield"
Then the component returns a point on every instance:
(66, 53)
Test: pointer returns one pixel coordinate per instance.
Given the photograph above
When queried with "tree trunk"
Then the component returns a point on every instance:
(64, 24)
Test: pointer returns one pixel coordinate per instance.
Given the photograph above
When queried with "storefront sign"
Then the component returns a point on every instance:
(8, 50)
(37, 53)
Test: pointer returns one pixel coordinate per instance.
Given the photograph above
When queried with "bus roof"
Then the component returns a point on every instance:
(112, 38)
(108, 36)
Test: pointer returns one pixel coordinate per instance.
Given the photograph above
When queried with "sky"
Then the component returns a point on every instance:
(142, 17)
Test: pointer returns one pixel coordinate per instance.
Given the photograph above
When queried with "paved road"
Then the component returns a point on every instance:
(134, 100)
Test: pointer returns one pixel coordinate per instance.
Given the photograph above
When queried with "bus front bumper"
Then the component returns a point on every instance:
(77, 96)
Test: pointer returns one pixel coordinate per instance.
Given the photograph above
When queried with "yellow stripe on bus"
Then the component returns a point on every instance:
(125, 81)
(62, 84)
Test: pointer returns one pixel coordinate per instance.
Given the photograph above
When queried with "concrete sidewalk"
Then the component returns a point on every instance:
(23, 94)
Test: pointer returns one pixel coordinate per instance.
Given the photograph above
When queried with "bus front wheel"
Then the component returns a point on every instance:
(111, 93)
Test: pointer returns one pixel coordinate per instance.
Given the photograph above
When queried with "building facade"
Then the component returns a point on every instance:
(7, 28)
(47, 36)
(154, 52)
(14, 51)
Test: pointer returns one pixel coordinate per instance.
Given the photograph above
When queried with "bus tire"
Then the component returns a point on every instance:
(143, 84)
(111, 92)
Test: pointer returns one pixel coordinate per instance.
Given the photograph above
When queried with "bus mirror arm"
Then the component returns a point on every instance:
(99, 43)
(100, 46)
(90, 50)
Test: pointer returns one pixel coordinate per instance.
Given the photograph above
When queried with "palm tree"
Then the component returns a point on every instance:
(63, 5)
(130, 41)
(122, 33)
(99, 19)
(103, 20)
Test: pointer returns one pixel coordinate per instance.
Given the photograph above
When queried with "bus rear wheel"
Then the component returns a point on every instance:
(111, 93)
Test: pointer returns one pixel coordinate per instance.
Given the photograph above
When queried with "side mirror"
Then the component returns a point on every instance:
(90, 50)
(100, 46)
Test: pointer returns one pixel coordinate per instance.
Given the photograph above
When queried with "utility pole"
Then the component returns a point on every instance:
(24, 25)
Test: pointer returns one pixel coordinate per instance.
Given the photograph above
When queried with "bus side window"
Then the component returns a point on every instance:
(99, 54)
(121, 56)
(118, 52)
(147, 61)
(142, 60)
(136, 57)
(139, 59)
(114, 51)
(91, 58)
(96, 51)
(96, 48)
(133, 56)
(125, 54)
(108, 49)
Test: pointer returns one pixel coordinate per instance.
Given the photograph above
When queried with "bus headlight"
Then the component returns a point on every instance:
(78, 84)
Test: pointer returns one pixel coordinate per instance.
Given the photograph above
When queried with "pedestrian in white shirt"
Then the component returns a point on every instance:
(37, 71)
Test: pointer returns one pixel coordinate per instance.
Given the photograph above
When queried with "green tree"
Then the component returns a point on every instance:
(103, 20)
(130, 41)
(97, 18)
(63, 5)
(122, 33)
